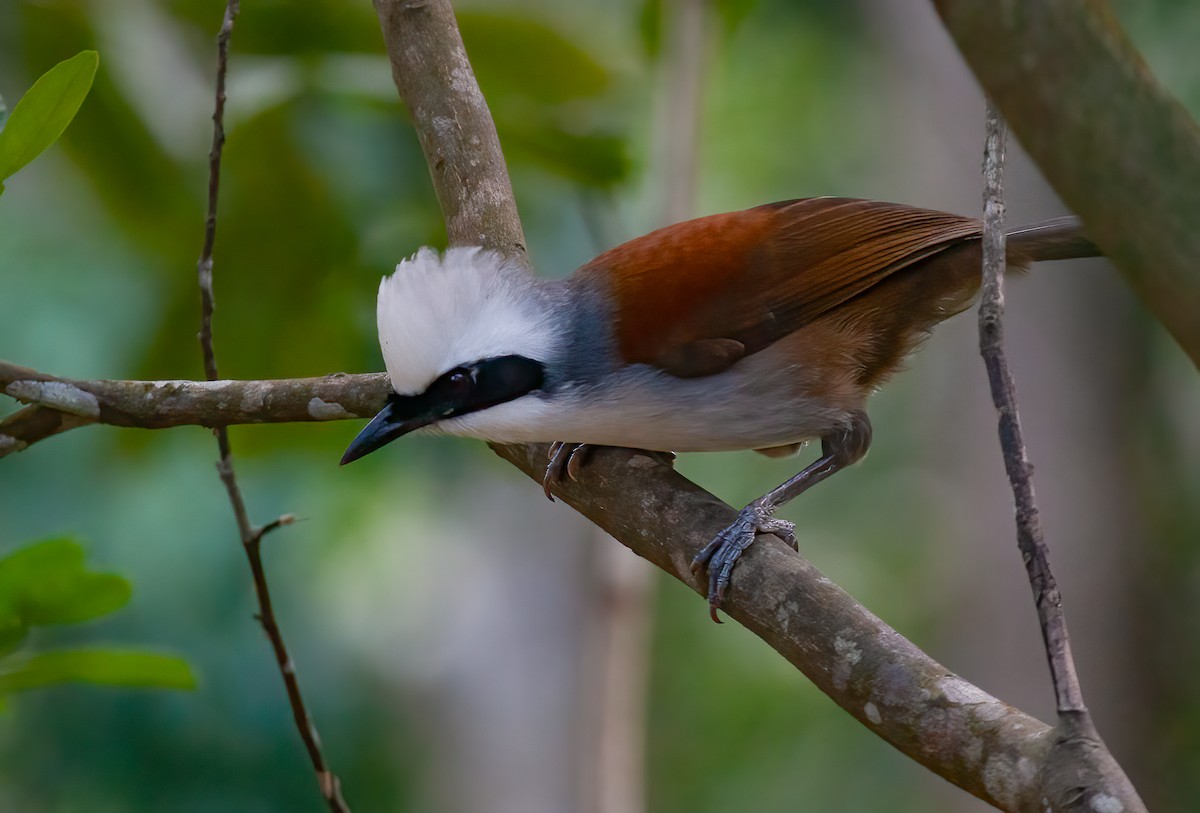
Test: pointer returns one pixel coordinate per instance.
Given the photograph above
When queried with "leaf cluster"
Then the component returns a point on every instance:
(46, 584)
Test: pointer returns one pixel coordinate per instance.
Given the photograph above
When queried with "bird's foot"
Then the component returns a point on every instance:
(726, 547)
(566, 459)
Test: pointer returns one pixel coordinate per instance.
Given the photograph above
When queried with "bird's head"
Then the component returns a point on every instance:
(462, 333)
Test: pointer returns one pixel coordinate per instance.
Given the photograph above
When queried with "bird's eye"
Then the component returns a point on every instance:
(458, 382)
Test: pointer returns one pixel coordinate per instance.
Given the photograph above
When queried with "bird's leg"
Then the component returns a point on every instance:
(566, 459)
(838, 450)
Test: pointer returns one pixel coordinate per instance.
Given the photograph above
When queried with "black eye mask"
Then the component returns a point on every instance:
(460, 391)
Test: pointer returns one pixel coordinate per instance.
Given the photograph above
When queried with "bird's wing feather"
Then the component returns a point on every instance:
(696, 297)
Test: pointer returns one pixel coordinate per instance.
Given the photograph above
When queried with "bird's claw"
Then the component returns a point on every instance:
(723, 551)
(566, 459)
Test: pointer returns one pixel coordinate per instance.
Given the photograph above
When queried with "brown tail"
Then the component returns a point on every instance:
(1059, 239)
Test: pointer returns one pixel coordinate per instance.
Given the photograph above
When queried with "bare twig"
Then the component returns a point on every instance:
(63, 403)
(1106, 779)
(1004, 395)
(251, 536)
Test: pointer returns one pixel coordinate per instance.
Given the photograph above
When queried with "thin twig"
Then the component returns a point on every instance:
(251, 536)
(1079, 773)
(1004, 395)
(61, 404)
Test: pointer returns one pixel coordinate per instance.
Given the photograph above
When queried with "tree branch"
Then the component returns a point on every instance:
(1092, 772)
(163, 404)
(252, 537)
(935, 717)
(1116, 147)
(61, 404)
(25, 427)
(455, 127)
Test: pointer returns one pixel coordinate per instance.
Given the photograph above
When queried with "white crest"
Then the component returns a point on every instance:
(438, 312)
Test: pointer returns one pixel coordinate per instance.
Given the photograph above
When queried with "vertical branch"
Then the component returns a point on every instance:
(1004, 395)
(1079, 772)
(251, 536)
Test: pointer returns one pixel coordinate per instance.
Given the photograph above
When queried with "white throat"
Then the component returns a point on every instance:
(437, 312)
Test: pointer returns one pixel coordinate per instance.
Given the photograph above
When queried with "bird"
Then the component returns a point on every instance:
(758, 329)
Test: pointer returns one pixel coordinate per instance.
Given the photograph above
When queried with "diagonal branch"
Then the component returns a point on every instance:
(1114, 144)
(453, 123)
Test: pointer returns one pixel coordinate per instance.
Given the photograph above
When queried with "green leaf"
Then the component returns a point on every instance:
(46, 583)
(45, 111)
(101, 666)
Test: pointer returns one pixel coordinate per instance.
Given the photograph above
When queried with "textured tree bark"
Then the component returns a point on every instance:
(1118, 149)
(455, 127)
(60, 404)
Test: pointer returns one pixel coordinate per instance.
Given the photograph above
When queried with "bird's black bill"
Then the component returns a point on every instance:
(389, 424)
(460, 391)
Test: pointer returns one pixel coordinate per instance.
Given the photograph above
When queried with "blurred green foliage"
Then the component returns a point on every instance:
(324, 189)
(45, 584)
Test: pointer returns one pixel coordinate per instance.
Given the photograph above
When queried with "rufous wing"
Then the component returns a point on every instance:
(695, 297)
